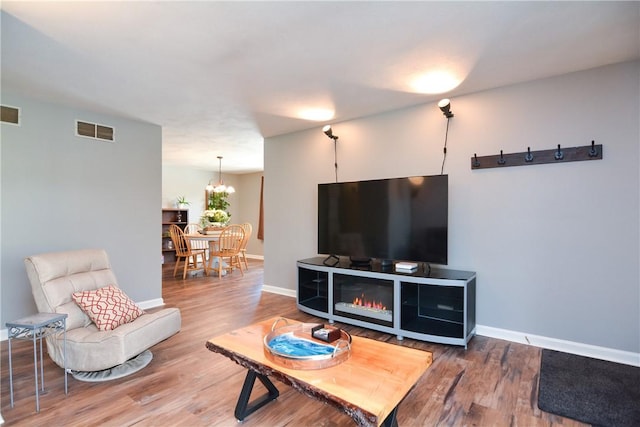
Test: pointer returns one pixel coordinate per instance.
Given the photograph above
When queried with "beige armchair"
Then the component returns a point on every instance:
(56, 276)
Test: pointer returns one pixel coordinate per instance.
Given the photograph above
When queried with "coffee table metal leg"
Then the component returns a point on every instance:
(391, 420)
(243, 407)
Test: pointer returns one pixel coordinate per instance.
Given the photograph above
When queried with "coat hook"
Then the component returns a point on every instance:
(476, 162)
(593, 152)
(501, 160)
(559, 154)
(528, 157)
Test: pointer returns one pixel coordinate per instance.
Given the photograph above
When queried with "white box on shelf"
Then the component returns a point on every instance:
(406, 267)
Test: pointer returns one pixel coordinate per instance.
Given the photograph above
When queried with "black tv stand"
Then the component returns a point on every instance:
(360, 262)
(429, 304)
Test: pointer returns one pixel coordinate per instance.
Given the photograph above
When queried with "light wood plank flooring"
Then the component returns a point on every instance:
(492, 383)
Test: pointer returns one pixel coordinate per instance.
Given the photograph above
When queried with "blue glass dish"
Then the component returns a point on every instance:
(289, 345)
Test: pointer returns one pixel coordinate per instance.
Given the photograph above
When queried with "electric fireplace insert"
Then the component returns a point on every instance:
(363, 298)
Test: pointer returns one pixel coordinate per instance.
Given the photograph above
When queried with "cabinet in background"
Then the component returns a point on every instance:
(179, 217)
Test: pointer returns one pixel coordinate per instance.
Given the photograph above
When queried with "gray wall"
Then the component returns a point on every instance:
(555, 247)
(62, 192)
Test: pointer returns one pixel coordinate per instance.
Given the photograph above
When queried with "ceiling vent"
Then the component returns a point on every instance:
(10, 115)
(95, 131)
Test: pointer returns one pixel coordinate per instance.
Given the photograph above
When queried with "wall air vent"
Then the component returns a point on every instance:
(95, 131)
(10, 115)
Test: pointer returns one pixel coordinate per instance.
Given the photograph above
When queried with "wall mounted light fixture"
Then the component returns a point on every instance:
(329, 132)
(445, 107)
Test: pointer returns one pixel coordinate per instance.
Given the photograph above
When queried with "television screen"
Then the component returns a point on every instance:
(387, 219)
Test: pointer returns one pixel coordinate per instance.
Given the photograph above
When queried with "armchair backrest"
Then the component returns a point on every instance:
(55, 276)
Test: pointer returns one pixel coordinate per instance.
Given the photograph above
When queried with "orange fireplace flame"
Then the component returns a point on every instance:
(363, 302)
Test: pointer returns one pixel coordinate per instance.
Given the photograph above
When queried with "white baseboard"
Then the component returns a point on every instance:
(255, 256)
(280, 291)
(588, 350)
(152, 303)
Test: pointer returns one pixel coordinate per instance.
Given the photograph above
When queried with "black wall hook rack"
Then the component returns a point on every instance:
(555, 155)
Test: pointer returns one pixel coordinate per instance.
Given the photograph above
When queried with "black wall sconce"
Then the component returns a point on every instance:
(329, 132)
(445, 107)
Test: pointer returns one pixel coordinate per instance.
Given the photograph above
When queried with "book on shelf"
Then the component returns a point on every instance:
(406, 266)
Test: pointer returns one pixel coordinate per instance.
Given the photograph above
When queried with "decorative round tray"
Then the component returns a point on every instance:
(293, 346)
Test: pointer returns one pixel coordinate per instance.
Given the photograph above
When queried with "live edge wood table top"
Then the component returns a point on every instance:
(368, 386)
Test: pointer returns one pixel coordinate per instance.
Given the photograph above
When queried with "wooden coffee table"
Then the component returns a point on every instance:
(368, 386)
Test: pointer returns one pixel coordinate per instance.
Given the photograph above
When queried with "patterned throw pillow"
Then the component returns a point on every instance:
(107, 307)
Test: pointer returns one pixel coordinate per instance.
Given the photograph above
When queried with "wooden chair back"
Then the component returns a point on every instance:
(180, 243)
(185, 253)
(194, 228)
(231, 240)
(247, 234)
(191, 228)
(243, 250)
(228, 248)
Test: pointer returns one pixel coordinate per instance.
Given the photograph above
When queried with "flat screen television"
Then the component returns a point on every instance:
(387, 219)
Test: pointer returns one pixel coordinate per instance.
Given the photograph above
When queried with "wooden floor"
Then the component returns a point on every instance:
(492, 383)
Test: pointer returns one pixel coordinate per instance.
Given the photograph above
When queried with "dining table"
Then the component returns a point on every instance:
(212, 237)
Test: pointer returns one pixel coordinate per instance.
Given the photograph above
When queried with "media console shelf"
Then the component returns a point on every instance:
(437, 305)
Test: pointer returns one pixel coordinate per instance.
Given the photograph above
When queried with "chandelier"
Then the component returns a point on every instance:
(220, 187)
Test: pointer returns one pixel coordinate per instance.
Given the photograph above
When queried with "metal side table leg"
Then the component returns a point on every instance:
(35, 367)
(10, 371)
(35, 328)
(41, 366)
(64, 347)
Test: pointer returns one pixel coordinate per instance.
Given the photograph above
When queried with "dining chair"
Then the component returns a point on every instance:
(185, 252)
(193, 228)
(243, 249)
(228, 247)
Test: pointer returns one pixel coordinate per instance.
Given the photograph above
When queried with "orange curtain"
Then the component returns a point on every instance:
(261, 220)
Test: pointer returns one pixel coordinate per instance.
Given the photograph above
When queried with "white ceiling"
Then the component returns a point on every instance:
(219, 77)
